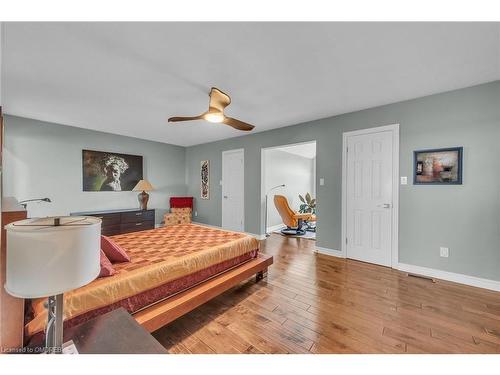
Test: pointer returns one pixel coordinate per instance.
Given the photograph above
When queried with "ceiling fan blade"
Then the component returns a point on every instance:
(218, 99)
(180, 118)
(237, 124)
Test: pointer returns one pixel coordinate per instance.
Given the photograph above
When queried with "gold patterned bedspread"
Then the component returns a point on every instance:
(157, 257)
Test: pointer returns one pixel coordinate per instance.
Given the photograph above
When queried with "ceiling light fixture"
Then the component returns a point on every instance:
(218, 102)
(214, 117)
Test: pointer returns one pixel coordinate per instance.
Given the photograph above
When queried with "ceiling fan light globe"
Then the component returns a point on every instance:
(214, 117)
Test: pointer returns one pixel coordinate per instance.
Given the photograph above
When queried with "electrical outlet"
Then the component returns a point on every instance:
(321, 181)
(404, 180)
(444, 252)
(196, 213)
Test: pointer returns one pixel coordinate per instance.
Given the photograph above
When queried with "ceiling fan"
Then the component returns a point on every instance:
(218, 101)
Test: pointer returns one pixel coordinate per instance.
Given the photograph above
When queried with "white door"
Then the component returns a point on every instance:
(233, 181)
(369, 197)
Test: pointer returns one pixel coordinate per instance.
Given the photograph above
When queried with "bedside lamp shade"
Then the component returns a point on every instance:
(46, 260)
(143, 185)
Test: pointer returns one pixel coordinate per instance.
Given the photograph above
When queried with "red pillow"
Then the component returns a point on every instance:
(106, 266)
(114, 252)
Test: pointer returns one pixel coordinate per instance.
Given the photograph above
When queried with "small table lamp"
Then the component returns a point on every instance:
(47, 257)
(143, 185)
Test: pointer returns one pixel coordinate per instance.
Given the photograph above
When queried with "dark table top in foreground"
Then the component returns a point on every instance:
(115, 332)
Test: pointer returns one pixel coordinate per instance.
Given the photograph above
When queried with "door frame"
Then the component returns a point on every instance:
(394, 128)
(263, 175)
(227, 152)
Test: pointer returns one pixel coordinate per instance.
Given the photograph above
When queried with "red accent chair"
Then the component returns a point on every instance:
(181, 211)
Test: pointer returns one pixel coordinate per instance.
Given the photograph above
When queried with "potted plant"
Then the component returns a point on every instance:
(308, 204)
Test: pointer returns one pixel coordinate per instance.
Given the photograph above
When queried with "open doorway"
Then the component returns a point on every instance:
(289, 171)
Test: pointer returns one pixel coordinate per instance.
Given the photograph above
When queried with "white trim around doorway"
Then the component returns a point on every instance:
(263, 174)
(394, 128)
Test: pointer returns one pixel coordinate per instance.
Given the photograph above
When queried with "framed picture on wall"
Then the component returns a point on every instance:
(108, 171)
(438, 166)
(205, 179)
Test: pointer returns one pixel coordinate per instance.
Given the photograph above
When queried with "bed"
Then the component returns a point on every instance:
(172, 271)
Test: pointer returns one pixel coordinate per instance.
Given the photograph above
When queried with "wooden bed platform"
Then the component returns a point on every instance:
(162, 313)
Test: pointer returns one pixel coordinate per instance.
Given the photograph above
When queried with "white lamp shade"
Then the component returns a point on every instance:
(45, 260)
(143, 185)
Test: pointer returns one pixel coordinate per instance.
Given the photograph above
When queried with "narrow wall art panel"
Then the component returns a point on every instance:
(205, 179)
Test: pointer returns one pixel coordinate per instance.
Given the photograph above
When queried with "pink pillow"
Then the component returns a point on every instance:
(114, 252)
(106, 266)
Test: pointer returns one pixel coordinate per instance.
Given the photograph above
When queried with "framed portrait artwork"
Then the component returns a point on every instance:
(109, 171)
(205, 179)
(438, 166)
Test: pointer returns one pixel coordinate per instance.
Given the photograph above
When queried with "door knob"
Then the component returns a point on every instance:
(384, 205)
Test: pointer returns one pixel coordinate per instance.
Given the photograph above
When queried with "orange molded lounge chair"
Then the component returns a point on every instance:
(295, 222)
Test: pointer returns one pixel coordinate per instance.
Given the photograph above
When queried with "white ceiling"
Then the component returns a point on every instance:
(128, 78)
(306, 150)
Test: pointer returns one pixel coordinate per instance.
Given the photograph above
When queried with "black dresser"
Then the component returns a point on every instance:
(122, 221)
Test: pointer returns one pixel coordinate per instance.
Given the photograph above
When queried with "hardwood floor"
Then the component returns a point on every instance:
(312, 303)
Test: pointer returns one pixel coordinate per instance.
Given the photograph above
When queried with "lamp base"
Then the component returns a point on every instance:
(54, 333)
(143, 200)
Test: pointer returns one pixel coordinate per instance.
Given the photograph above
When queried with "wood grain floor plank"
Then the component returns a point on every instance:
(313, 303)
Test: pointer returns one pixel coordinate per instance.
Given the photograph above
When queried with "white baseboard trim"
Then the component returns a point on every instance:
(451, 276)
(206, 225)
(331, 252)
(275, 228)
(256, 236)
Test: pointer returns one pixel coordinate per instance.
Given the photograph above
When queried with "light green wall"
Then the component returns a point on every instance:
(464, 218)
(43, 159)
